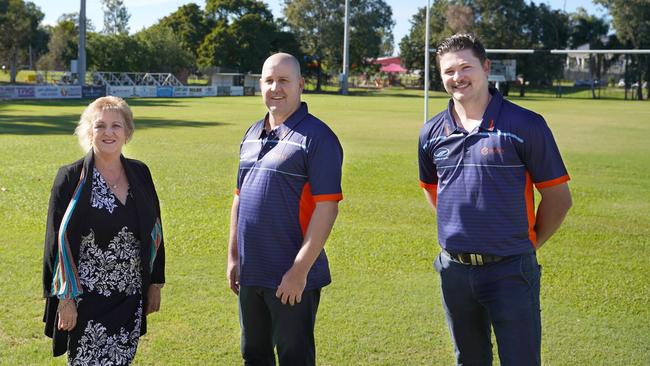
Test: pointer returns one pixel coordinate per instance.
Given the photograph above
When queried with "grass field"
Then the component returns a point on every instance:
(383, 307)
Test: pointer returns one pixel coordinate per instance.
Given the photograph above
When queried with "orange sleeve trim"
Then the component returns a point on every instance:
(429, 187)
(236, 192)
(552, 182)
(328, 197)
(530, 210)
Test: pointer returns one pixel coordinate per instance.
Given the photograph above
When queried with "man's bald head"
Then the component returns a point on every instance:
(281, 85)
(282, 58)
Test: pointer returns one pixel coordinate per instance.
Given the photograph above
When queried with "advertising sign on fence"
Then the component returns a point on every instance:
(25, 92)
(121, 91)
(237, 91)
(146, 91)
(223, 90)
(93, 92)
(7, 92)
(181, 91)
(165, 91)
(56, 92)
(195, 91)
(209, 91)
(72, 92)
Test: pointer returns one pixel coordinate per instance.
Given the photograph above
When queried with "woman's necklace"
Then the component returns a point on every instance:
(114, 185)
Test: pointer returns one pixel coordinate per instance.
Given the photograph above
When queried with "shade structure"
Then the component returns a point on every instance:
(392, 68)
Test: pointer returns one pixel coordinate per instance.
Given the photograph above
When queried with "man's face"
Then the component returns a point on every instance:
(281, 86)
(464, 76)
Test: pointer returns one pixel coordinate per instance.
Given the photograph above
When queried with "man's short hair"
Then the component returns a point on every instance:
(459, 42)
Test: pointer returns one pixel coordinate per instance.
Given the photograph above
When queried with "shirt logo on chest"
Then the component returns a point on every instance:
(491, 150)
(441, 154)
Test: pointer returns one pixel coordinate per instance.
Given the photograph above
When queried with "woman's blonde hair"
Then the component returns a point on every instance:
(84, 130)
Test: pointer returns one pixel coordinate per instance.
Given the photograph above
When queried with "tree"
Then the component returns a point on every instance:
(243, 36)
(318, 26)
(116, 17)
(19, 22)
(62, 47)
(590, 30)
(114, 52)
(631, 19)
(163, 50)
(190, 24)
(498, 24)
(242, 45)
(412, 45)
(228, 10)
(546, 29)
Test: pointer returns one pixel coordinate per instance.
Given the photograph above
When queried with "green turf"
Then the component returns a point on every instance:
(383, 307)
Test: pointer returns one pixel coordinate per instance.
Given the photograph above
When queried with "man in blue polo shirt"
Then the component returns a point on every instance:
(288, 189)
(479, 160)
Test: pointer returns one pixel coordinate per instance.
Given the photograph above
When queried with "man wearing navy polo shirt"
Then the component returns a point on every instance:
(479, 160)
(288, 189)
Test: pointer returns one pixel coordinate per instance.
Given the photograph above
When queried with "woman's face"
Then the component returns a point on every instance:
(109, 132)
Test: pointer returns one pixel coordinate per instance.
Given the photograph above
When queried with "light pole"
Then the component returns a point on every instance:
(81, 64)
(346, 49)
(426, 65)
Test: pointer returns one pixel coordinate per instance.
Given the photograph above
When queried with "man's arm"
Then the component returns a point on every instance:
(555, 203)
(294, 281)
(232, 271)
(431, 194)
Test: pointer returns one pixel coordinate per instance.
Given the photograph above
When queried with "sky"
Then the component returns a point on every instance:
(147, 12)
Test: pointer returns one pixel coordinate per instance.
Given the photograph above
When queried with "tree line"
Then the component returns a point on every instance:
(227, 35)
(237, 35)
(518, 24)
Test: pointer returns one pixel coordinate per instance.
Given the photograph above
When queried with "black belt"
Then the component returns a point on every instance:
(473, 259)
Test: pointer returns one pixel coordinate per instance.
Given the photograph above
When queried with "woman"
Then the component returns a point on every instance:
(104, 262)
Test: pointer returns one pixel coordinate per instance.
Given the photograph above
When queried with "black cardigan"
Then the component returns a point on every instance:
(148, 208)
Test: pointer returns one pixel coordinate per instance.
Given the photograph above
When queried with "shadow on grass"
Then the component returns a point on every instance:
(65, 124)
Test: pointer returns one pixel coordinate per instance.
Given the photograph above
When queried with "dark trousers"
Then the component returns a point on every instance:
(266, 323)
(503, 296)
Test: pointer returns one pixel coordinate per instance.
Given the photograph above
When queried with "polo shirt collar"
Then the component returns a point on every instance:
(291, 122)
(492, 111)
(489, 116)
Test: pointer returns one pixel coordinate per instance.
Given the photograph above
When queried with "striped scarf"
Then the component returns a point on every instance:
(66, 284)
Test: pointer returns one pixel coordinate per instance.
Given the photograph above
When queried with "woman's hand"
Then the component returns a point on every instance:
(153, 298)
(67, 315)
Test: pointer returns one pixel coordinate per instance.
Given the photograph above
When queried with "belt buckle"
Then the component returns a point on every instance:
(474, 259)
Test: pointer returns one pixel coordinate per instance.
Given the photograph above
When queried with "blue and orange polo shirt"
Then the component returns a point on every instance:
(483, 180)
(282, 174)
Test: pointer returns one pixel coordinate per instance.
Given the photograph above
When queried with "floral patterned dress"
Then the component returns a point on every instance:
(110, 308)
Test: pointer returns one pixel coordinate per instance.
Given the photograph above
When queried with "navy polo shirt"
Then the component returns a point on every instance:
(281, 176)
(483, 180)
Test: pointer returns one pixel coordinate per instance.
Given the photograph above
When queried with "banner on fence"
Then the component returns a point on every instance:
(121, 91)
(165, 91)
(209, 91)
(195, 91)
(146, 91)
(55, 92)
(223, 90)
(93, 91)
(26, 92)
(7, 92)
(181, 91)
(237, 91)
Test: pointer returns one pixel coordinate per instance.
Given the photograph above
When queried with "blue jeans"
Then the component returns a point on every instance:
(266, 323)
(503, 296)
